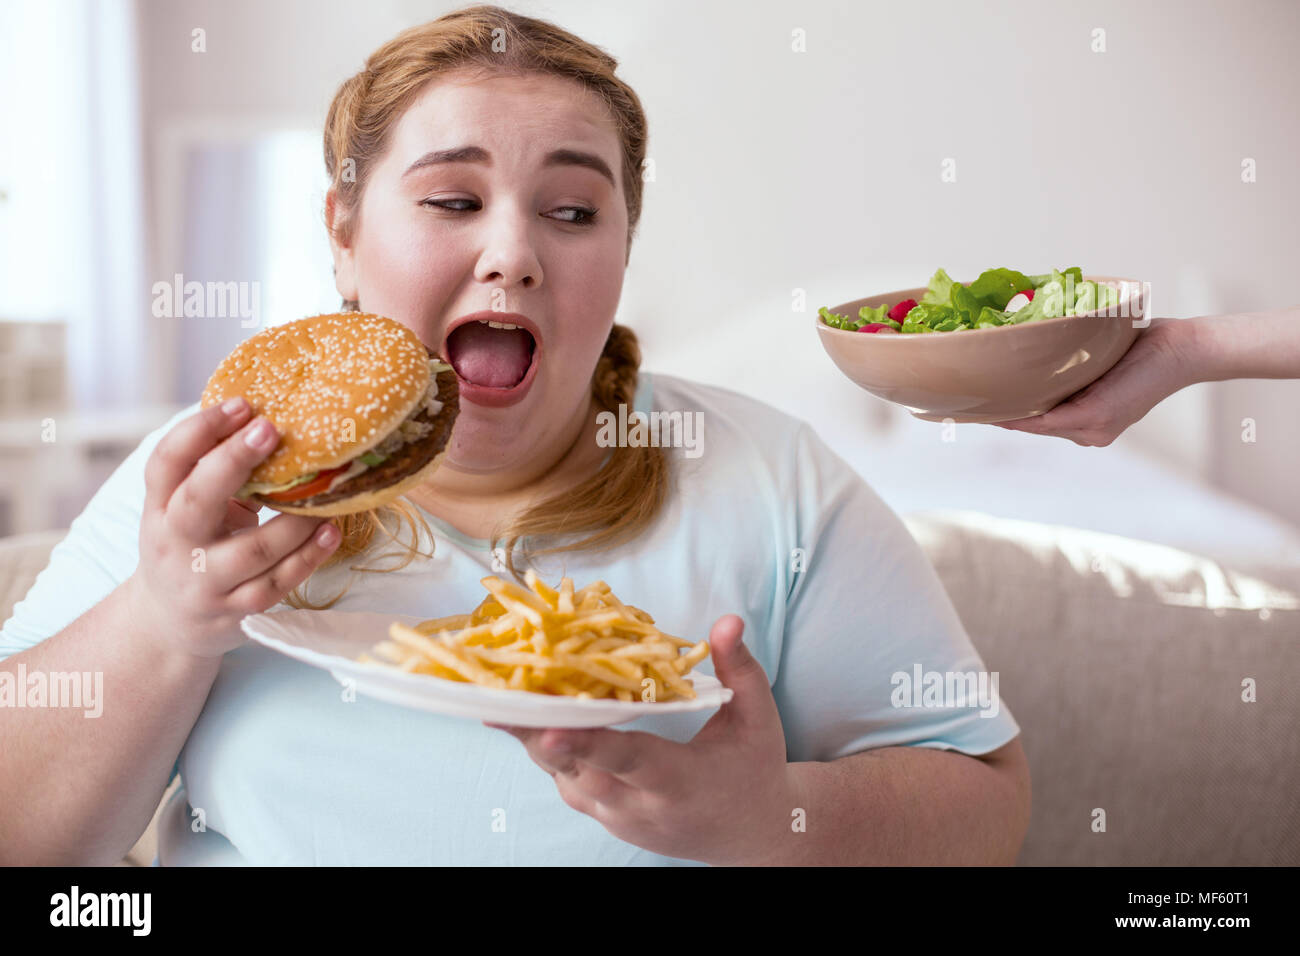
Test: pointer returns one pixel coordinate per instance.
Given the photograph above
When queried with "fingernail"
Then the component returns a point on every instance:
(233, 406)
(261, 436)
(326, 535)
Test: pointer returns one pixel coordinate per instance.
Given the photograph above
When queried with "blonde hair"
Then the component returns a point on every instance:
(623, 497)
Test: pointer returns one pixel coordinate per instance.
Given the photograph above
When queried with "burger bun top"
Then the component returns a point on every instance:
(333, 385)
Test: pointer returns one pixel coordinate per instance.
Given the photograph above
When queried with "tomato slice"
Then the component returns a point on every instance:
(308, 488)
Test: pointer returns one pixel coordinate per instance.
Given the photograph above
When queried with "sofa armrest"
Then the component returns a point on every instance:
(22, 558)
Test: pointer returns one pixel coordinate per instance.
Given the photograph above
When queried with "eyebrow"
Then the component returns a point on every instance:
(477, 154)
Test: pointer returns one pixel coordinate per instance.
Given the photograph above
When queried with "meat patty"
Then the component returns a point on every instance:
(410, 457)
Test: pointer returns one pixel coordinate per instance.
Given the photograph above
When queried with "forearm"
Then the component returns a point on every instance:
(905, 806)
(1243, 345)
(80, 789)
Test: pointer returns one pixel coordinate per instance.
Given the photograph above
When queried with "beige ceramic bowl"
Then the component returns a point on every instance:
(985, 375)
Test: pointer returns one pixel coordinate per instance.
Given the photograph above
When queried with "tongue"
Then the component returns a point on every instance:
(497, 358)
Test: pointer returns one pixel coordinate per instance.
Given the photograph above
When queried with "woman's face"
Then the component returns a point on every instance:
(505, 227)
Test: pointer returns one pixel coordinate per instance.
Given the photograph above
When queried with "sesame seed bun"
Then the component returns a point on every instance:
(333, 385)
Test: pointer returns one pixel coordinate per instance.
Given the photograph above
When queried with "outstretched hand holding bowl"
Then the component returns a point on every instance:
(1168, 355)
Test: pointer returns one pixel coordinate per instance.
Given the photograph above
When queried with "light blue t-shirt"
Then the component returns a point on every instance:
(762, 520)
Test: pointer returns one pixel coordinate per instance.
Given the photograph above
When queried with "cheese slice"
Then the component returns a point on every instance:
(356, 468)
(267, 488)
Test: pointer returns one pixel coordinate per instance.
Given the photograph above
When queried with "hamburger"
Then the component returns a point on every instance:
(364, 410)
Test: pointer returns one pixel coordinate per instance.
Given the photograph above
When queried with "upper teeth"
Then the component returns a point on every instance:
(498, 325)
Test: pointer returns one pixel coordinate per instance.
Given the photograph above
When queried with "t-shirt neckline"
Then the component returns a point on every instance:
(641, 403)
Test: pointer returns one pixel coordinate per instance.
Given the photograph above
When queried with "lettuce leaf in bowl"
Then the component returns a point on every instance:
(1048, 303)
(990, 318)
(834, 319)
(1039, 281)
(966, 302)
(940, 291)
(879, 314)
(995, 287)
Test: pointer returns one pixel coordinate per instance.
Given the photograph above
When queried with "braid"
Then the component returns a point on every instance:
(615, 380)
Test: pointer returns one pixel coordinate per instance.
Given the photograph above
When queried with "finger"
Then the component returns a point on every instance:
(574, 796)
(555, 751)
(560, 749)
(1041, 425)
(1048, 420)
(267, 589)
(598, 795)
(239, 516)
(197, 508)
(623, 753)
(1050, 428)
(177, 452)
(637, 757)
(1066, 415)
(253, 551)
(553, 758)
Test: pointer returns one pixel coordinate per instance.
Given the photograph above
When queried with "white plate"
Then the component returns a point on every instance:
(332, 639)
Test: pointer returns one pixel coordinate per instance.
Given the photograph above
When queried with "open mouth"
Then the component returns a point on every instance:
(491, 354)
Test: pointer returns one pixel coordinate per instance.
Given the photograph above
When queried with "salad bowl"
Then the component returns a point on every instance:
(989, 374)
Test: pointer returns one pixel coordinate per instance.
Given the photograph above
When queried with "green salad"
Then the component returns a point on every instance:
(997, 297)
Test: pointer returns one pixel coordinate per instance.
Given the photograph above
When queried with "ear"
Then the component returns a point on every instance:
(345, 268)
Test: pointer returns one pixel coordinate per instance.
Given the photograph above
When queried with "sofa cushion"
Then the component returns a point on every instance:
(1128, 665)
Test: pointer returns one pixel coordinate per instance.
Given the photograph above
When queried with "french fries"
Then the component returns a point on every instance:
(585, 644)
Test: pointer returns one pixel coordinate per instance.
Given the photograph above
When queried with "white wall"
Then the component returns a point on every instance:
(820, 170)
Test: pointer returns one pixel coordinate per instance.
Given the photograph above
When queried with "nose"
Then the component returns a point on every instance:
(508, 257)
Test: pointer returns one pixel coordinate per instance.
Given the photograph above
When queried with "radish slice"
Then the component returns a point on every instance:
(1018, 302)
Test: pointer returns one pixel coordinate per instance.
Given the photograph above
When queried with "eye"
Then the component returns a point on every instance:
(447, 204)
(588, 215)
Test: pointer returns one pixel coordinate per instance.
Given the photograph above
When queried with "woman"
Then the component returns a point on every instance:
(488, 160)
(1169, 355)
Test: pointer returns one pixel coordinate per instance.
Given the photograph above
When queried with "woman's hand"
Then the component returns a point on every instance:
(724, 798)
(1155, 366)
(204, 561)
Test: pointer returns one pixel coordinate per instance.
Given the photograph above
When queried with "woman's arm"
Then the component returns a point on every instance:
(909, 806)
(80, 790)
(1242, 345)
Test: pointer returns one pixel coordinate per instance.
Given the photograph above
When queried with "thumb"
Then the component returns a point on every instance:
(738, 669)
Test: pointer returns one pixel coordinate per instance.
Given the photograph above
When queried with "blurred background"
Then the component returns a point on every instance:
(796, 146)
